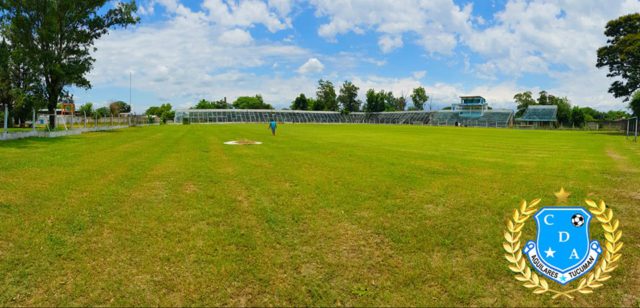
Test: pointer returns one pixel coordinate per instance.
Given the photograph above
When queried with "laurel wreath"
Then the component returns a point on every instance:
(593, 280)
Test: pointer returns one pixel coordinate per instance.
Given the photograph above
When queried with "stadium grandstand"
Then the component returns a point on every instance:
(472, 111)
(539, 116)
(298, 116)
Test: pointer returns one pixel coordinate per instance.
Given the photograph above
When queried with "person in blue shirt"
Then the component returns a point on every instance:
(273, 125)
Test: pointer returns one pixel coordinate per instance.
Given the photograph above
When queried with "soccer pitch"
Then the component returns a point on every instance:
(319, 215)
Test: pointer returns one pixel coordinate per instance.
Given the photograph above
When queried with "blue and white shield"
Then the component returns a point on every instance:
(562, 251)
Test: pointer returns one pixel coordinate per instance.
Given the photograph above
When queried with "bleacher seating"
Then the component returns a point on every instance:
(295, 116)
(488, 118)
(540, 113)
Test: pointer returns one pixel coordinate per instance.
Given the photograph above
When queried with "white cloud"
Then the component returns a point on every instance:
(313, 65)
(437, 23)
(247, 13)
(419, 74)
(235, 37)
(188, 57)
(388, 43)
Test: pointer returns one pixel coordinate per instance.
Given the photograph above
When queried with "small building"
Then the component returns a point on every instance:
(471, 106)
(539, 116)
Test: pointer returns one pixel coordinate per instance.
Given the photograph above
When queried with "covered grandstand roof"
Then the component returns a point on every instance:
(540, 113)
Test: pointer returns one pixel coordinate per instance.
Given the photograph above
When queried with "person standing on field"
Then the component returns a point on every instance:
(273, 125)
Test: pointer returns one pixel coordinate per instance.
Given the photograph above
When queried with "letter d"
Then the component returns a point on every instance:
(564, 238)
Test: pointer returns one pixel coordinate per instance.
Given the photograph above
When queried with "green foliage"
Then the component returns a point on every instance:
(56, 38)
(219, 104)
(300, 103)
(87, 109)
(634, 104)
(523, 100)
(621, 55)
(401, 103)
(103, 112)
(119, 107)
(251, 102)
(419, 97)
(348, 97)
(577, 117)
(375, 101)
(164, 112)
(326, 96)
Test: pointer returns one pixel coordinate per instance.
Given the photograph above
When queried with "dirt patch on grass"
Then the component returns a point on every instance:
(189, 187)
(242, 142)
(615, 156)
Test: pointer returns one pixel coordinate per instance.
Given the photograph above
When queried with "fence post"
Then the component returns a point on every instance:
(6, 119)
(33, 121)
(635, 137)
(627, 132)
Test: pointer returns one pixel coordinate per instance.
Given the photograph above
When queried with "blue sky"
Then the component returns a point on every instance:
(183, 51)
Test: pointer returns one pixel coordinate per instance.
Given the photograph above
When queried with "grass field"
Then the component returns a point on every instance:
(319, 215)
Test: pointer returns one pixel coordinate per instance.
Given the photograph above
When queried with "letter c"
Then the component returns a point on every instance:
(547, 222)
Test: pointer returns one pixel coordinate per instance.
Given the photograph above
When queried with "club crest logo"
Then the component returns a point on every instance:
(562, 250)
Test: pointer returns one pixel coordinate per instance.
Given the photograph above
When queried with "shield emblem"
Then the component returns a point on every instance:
(562, 251)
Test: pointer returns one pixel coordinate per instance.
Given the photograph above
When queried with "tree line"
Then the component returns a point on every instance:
(346, 100)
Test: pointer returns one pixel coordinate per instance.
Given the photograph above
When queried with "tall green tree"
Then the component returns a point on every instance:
(401, 103)
(374, 101)
(251, 102)
(219, 104)
(326, 96)
(524, 100)
(419, 97)
(389, 100)
(621, 55)
(634, 104)
(577, 117)
(87, 109)
(348, 97)
(58, 36)
(300, 103)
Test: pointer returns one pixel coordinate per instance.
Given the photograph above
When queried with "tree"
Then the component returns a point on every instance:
(103, 112)
(19, 88)
(348, 97)
(326, 95)
(577, 117)
(251, 102)
(523, 100)
(419, 97)
(374, 101)
(389, 100)
(401, 103)
(300, 103)
(86, 109)
(57, 38)
(634, 105)
(164, 112)
(119, 107)
(622, 55)
(219, 104)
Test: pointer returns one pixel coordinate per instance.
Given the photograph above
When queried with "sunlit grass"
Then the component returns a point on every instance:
(318, 215)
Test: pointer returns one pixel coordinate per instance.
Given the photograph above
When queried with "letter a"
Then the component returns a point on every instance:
(563, 239)
(574, 255)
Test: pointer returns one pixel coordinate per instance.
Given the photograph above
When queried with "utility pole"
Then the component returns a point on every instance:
(130, 83)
